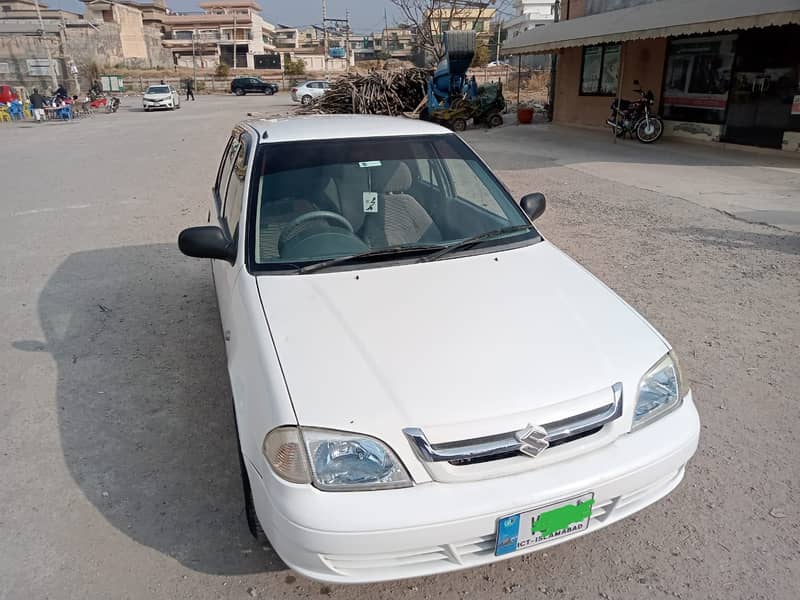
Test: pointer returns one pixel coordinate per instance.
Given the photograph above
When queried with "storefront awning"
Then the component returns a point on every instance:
(655, 20)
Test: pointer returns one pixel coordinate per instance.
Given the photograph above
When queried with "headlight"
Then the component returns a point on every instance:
(338, 461)
(660, 390)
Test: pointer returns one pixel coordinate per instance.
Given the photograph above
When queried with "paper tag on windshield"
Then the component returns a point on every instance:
(370, 163)
(370, 202)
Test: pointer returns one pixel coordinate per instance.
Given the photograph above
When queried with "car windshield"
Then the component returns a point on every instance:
(313, 201)
(158, 89)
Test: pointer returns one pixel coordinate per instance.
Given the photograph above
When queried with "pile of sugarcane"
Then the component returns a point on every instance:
(376, 93)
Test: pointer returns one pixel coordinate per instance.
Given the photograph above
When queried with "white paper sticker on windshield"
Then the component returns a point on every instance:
(370, 163)
(370, 202)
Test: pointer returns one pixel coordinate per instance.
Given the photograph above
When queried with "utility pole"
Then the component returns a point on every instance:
(499, 33)
(71, 66)
(385, 27)
(51, 67)
(194, 59)
(347, 48)
(551, 91)
(234, 39)
(325, 31)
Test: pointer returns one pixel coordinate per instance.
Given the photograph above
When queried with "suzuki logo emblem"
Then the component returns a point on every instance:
(533, 440)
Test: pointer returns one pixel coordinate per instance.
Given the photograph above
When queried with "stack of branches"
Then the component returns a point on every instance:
(377, 93)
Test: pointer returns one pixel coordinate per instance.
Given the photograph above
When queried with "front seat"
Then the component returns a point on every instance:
(399, 218)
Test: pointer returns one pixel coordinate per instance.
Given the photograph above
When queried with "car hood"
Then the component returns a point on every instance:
(157, 96)
(465, 340)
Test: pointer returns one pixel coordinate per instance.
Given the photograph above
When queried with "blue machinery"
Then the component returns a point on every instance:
(453, 98)
(450, 81)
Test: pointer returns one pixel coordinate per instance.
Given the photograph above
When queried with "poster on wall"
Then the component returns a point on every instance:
(698, 73)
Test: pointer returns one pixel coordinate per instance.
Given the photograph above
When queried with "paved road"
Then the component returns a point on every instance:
(117, 452)
(758, 187)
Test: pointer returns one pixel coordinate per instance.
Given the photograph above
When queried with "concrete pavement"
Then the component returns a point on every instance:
(117, 447)
(747, 184)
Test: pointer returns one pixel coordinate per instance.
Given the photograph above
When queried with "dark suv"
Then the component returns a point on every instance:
(242, 85)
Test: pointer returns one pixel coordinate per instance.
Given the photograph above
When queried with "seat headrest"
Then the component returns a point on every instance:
(392, 179)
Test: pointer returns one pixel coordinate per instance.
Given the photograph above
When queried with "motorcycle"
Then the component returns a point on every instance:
(634, 117)
(112, 105)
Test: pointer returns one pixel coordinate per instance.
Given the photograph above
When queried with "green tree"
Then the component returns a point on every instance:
(481, 57)
(294, 67)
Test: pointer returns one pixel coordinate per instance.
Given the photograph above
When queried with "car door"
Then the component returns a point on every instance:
(253, 85)
(229, 191)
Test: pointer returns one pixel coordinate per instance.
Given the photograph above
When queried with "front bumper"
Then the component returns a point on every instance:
(358, 537)
(157, 104)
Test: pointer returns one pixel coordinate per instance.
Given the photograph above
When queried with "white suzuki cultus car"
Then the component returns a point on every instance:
(421, 381)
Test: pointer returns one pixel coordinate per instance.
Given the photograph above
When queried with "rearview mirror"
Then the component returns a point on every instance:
(206, 242)
(533, 205)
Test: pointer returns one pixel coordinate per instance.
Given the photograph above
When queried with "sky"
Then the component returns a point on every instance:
(365, 15)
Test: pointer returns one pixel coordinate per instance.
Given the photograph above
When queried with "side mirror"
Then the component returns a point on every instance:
(206, 242)
(533, 205)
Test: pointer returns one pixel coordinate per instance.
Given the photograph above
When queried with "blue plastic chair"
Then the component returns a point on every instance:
(15, 111)
(65, 112)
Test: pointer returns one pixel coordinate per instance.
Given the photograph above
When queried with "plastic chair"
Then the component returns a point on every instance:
(15, 111)
(65, 112)
(4, 115)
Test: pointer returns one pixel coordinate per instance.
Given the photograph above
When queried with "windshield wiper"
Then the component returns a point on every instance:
(387, 251)
(475, 239)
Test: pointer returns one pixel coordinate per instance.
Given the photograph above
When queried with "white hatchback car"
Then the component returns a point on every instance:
(161, 96)
(306, 92)
(421, 381)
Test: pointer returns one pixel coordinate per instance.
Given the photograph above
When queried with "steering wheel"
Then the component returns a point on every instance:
(314, 215)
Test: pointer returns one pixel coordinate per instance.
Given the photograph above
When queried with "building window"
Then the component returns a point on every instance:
(600, 70)
(444, 25)
(478, 26)
(697, 78)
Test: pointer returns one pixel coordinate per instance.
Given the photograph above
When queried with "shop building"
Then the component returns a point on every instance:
(721, 70)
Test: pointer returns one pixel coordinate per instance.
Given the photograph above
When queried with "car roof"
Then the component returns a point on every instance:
(336, 127)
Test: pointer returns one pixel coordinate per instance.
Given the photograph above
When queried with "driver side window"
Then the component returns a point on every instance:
(234, 192)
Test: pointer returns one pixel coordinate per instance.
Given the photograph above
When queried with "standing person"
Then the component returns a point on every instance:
(190, 89)
(37, 104)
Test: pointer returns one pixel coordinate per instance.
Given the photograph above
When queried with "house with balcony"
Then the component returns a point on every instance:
(227, 31)
(457, 18)
(398, 42)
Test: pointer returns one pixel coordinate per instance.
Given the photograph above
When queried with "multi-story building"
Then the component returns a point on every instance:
(528, 14)
(68, 47)
(227, 31)
(459, 18)
(287, 38)
(398, 42)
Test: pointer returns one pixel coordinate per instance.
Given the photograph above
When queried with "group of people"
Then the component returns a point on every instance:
(59, 99)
